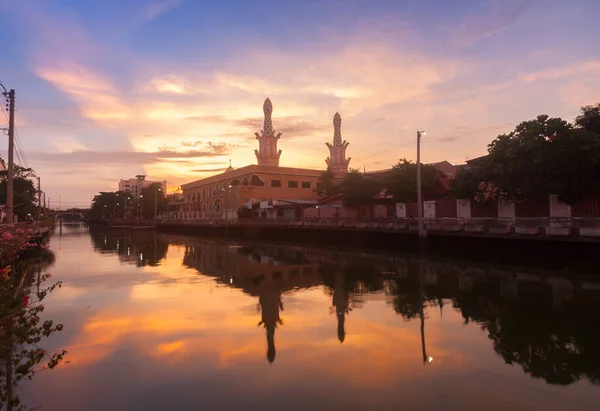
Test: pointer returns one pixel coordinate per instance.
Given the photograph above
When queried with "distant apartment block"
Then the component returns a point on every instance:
(135, 185)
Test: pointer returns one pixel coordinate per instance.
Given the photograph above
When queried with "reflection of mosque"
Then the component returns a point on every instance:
(139, 248)
(262, 273)
(542, 322)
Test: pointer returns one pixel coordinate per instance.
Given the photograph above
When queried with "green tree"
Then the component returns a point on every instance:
(148, 197)
(589, 120)
(357, 188)
(109, 204)
(25, 192)
(401, 181)
(548, 156)
(326, 184)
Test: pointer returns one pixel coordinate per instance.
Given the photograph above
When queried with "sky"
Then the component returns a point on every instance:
(174, 88)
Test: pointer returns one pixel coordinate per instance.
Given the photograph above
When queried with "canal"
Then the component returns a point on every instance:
(155, 321)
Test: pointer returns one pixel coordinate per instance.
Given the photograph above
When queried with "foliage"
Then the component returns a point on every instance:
(401, 181)
(524, 162)
(359, 189)
(25, 192)
(111, 204)
(589, 119)
(326, 184)
(148, 197)
(539, 157)
(14, 239)
(22, 329)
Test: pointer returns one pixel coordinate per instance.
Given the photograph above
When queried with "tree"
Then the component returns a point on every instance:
(589, 120)
(547, 156)
(148, 196)
(401, 181)
(357, 188)
(109, 205)
(25, 192)
(326, 184)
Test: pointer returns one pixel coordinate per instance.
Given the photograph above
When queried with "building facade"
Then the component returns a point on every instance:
(135, 185)
(260, 185)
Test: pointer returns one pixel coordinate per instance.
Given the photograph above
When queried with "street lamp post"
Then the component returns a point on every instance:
(140, 206)
(155, 201)
(227, 187)
(422, 233)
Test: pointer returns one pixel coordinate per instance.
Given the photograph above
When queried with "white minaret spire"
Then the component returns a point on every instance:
(267, 153)
(337, 160)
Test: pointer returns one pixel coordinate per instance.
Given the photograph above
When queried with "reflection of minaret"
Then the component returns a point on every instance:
(337, 161)
(341, 302)
(270, 304)
(267, 153)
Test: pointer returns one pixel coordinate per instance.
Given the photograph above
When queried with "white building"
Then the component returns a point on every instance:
(135, 185)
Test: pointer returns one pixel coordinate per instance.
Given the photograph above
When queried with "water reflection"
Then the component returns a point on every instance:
(325, 320)
(140, 248)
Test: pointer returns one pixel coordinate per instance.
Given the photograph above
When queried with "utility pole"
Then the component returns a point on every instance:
(11, 147)
(156, 202)
(39, 199)
(422, 233)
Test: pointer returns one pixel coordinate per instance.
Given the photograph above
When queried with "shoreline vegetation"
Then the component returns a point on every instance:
(22, 326)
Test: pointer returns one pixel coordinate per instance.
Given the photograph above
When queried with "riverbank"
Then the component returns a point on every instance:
(488, 247)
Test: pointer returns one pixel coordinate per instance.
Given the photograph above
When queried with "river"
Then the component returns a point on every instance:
(167, 322)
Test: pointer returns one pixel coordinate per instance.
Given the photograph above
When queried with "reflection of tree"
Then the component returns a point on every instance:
(141, 248)
(560, 347)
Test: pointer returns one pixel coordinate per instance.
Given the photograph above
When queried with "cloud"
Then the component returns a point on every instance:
(290, 127)
(497, 16)
(156, 8)
(89, 157)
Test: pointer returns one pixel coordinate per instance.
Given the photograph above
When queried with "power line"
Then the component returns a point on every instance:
(457, 134)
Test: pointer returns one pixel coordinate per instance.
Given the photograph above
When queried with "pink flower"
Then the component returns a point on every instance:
(25, 301)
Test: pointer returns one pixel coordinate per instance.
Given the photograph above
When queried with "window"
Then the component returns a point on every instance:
(292, 184)
(280, 212)
(306, 184)
(275, 183)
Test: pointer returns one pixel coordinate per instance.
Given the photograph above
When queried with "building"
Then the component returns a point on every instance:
(135, 185)
(263, 185)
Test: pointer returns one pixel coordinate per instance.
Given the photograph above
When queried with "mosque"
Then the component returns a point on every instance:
(264, 185)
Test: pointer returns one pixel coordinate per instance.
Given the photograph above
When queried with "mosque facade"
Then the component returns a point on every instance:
(264, 184)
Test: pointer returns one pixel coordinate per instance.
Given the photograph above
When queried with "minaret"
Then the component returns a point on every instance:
(267, 153)
(337, 161)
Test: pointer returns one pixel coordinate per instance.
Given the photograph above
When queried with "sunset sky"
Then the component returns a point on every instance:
(174, 88)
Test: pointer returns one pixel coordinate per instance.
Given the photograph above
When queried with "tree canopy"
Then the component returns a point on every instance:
(358, 188)
(539, 157)
(326, 184)
(401, 181)
(25, 192)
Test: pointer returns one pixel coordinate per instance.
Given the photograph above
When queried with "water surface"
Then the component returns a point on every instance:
(160, 322)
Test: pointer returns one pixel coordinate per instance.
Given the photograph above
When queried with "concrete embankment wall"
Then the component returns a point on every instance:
(492, 248)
